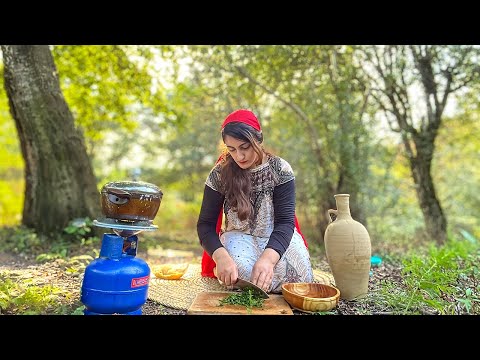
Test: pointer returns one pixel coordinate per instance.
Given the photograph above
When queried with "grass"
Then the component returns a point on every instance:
(433, 280)
(444, 281)
(22, 297)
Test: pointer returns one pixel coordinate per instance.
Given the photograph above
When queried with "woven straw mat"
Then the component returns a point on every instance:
(179, 294)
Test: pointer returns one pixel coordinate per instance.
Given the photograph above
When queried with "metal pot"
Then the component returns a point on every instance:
(131, 200)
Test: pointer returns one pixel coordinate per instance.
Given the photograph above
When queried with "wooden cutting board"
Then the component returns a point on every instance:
(208, 303)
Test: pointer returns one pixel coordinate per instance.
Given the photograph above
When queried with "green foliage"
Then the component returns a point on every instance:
(79, 228)
(139, 108)
(22, 240)
(442, 281)
(455, 171)
(79, 310)
(394, 219)
(172, 205)
(308, 99)
(42, 258)
(11, 198)
(144, 106)
(332, 312)
(117, 98)
(77, 264)
(11, 166)
(247, 297)
(164, 238)
(77, 231)
(24, 298)
(103, 85)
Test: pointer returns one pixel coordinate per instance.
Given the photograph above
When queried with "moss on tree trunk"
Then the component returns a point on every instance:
(59, 178)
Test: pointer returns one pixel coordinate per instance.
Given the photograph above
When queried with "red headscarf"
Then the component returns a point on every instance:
(249, 118)
(244, 116)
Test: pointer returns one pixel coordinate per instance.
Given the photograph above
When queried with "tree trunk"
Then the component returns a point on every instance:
(440, 71)
(60, 183)
(420, 165)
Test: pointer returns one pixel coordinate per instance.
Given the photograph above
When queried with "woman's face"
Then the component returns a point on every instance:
(241, 151)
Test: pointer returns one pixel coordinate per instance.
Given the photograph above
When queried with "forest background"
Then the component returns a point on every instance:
(396, 127)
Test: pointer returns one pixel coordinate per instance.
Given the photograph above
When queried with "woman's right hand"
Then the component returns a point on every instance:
(226, 270)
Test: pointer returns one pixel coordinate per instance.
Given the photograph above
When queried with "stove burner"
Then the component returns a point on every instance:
(125, 228)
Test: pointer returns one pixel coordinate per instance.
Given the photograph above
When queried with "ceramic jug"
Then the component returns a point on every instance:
(348, 250)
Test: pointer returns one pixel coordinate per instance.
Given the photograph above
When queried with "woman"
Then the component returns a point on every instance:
(261, 241)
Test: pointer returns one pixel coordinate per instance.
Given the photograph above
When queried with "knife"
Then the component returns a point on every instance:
(243, 284)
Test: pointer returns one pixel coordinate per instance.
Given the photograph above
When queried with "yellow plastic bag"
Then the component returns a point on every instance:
(169, 271)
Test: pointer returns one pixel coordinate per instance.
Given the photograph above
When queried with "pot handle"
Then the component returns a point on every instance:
(119, 193)
(329, 214)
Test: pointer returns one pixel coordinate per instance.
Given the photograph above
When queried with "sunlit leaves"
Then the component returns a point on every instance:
(107, 86)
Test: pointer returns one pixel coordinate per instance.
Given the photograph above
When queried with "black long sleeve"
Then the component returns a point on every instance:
(284, 217)
(207, 220)
(284, 223)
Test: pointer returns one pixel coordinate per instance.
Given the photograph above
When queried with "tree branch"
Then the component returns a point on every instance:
(296, 109)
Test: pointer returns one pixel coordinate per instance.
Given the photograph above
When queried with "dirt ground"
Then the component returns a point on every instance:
(55, 273)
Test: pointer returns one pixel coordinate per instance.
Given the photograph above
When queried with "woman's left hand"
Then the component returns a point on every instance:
(262, 272)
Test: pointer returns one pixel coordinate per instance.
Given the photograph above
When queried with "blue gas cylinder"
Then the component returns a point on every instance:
(115, 283)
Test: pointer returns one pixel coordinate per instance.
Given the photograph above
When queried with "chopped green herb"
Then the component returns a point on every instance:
(248, 297)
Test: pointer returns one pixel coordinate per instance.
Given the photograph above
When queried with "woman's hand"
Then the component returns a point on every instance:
(226, 270)
(262, 272)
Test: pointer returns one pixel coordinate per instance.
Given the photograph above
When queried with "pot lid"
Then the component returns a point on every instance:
(133, 187)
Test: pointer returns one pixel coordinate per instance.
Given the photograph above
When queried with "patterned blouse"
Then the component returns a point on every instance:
(265, 177)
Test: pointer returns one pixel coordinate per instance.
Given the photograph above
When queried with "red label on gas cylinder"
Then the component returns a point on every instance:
(140, 281)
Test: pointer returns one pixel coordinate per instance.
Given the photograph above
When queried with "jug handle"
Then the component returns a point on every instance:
(329, 214)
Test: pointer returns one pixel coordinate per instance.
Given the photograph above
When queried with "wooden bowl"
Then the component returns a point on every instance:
(311, 297)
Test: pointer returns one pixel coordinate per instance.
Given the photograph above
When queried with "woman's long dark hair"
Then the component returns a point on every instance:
(237, 181)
